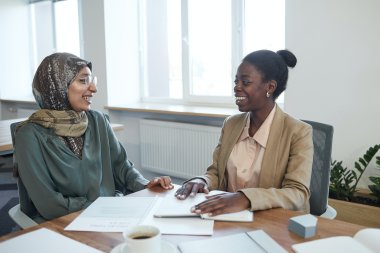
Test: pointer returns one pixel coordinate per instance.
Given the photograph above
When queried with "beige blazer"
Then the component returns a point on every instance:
(286, 167)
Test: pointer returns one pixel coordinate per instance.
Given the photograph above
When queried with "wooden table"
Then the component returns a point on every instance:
(274, 222)
(6, 146)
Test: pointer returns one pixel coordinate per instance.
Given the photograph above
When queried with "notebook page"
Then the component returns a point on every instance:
(336, 244)
(370, 237)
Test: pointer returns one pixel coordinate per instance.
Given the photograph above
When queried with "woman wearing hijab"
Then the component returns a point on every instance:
(264, 155)
(68, 154)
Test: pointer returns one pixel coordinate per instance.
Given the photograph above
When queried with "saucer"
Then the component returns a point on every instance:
(166, 247)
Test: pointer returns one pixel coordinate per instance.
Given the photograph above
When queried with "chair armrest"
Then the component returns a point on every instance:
(20, 218)
(330, 213)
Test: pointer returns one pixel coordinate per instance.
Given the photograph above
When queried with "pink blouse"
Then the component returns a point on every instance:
(244, 163)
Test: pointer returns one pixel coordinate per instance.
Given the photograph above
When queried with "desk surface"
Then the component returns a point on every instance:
(274, 222)
(6, 138)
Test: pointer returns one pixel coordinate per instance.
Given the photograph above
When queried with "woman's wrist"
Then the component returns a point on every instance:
(196, 180)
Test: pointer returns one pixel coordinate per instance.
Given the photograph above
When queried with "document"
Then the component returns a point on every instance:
(171, 207)
(44, 241)
(113, 214)
(116, 214)
(179, 226)
(254, 241)
(364, 241)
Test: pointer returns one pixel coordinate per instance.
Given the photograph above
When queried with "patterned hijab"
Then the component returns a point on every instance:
(50, 89)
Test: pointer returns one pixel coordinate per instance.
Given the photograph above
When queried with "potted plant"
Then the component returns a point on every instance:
(375, 188)
(361, 206)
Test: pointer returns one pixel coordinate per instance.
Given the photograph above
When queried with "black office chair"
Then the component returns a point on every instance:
(320, 179)
(16, 213)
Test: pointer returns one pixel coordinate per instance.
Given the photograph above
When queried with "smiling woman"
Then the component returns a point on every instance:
(243, 161)
(67, 153)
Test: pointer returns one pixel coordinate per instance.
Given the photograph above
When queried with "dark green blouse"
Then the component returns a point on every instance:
(58, 182)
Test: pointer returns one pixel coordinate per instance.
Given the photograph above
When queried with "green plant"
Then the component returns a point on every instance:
(343, 181)
(375, 188)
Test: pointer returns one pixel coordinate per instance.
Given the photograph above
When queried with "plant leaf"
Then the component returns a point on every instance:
(361, 160)
(359, 168)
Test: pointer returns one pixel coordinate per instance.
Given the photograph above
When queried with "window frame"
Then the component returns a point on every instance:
(40, 52)
(237, 47)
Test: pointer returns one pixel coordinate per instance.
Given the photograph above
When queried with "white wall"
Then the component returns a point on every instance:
(336, 80)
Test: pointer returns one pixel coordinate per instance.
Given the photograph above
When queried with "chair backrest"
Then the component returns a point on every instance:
(13, 132)
(26, 204)
(320, 178)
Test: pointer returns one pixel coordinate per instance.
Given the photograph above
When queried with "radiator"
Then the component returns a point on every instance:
(177, 149)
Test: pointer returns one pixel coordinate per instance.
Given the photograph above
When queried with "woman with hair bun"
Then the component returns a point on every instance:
(264, 156)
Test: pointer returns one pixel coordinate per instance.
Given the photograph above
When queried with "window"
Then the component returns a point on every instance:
(34, 29)
(67, 26)
(191, 49)
(55, 28)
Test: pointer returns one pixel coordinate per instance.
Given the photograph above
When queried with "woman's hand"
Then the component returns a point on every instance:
(191, 188)
(164, 181)
(222, 203)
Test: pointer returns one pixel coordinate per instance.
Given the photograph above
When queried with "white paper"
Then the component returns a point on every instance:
(116, 214)
(336, 244)
(242, 216)
(364, 241)
(369, 237)
(254, 241)
(44, 241)
(236, 243)
(172, 207)
(179, 226)
(113, 214)
(266, 242)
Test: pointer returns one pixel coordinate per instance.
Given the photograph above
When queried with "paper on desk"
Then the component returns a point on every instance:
(116, 214)
(44, 241)
(254, 241)
(179, 226)
(364, 241)
(171, 207)
(113, 214)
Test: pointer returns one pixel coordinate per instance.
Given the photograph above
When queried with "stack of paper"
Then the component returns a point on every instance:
(172, 207)
(116, 214)
(113, 214)
(170, 215)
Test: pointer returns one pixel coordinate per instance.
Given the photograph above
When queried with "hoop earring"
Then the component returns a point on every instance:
(268, 94)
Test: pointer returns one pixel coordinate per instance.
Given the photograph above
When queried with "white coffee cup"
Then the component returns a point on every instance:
(142, 239)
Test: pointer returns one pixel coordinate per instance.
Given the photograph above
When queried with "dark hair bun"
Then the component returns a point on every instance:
(288, 57)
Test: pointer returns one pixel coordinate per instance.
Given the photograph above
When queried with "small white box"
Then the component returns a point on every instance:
(303, 225)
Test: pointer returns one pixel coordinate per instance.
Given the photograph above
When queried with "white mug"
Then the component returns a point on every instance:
(142, 239)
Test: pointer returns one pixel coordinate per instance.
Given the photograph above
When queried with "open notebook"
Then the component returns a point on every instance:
(364, 241)
(171, 207)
